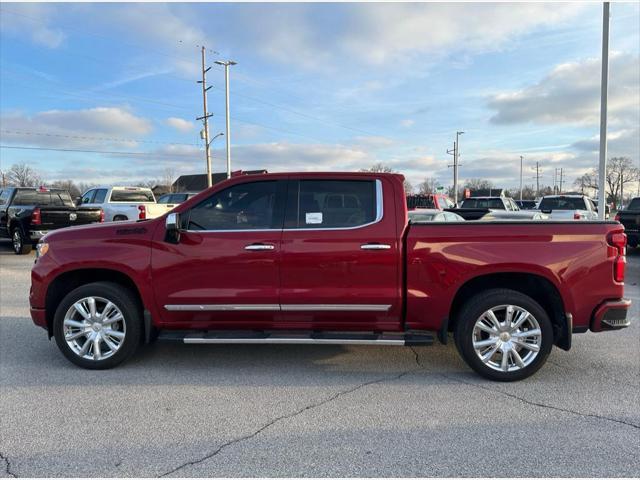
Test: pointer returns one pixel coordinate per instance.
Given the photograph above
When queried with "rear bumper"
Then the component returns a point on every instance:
(611, 315)
(36, 235)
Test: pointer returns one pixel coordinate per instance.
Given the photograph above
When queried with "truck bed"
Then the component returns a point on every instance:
(571, 256)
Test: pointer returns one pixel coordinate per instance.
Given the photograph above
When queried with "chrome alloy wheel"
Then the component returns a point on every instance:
(94, 328)
(17, 240)
(507, 338)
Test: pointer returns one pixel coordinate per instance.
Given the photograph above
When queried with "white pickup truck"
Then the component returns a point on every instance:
(124, 203)
(568, 207)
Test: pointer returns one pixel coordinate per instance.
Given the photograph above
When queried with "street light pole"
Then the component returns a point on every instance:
(226, 65)
(602, 171)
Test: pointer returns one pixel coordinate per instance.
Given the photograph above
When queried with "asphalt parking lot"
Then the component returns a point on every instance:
(180, 410)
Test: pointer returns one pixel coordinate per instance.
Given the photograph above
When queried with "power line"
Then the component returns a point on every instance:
(86, 137)
(154, 154)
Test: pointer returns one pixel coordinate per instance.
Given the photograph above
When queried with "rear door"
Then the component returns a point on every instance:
(340, 255)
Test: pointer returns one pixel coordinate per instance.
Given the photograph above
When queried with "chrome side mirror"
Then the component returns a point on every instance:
(172, 228)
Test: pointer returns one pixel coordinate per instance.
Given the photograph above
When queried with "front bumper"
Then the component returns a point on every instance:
(611, 315)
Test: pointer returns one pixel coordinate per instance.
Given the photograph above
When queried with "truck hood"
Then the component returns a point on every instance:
(104, 231)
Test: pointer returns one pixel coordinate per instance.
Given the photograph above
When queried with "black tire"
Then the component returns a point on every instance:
(21, 245)
(120, 218)
(124, 300)
(475, 307)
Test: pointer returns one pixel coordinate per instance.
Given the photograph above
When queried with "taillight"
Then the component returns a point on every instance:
(618, 240)
(142, 212)
(101, 216)
(617, 218)
(577, 216)
(36, 217)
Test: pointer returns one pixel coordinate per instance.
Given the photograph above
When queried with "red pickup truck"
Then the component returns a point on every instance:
(328, 258)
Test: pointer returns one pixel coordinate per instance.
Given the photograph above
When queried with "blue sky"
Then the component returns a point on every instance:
(317, 87)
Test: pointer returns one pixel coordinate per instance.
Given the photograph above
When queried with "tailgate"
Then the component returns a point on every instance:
(60, 217)
(630, 220)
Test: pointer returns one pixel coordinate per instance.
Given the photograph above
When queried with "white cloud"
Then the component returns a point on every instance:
(32, 20)
(407, 123)
(570, 94)
(180, 124)
(93, 127)
(376, 33)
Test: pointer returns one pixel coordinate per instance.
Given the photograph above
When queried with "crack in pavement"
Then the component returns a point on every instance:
(542, 405)
(292, 415)
(7, 468)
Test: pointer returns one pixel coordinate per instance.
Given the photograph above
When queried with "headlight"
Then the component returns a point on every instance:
(41, 249)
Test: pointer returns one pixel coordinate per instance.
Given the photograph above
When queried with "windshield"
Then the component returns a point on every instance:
(635, 204)
(562, 203)
(132, 196)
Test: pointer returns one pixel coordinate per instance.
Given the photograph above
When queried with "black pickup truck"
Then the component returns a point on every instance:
(28, 213)
(630, 218)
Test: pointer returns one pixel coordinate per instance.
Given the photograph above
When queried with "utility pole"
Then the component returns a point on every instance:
(226, 85)
(205, 116)
(604, 89)
(537, 177)
(561, 173)
(456, 157)
(521, 158)
(555, 180)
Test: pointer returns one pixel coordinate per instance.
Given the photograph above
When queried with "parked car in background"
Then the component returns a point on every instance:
(568, 207)
(328, 258)
(474, 208)
(630, 218)
(124, 203)
(175, 198)
(526, 204)
(438, 201)
(520, 215)
(27, 214)
(607, 209)
(433, 215)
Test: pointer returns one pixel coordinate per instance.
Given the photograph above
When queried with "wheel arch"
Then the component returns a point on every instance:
(536, 286)
(67, 281)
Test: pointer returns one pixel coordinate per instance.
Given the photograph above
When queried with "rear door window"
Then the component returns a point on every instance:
(101, 195)
(634, 205)
(331, 203)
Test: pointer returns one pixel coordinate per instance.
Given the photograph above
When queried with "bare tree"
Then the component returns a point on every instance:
(22, 175)
(427, 186)
(378, 168)
(478, 184)
(408, 187)
(168, 177)
(620, 173)
(68, 185)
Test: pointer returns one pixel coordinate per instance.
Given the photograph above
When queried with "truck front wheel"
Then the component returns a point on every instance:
(503, 335)
(21, 245)
(98, 326)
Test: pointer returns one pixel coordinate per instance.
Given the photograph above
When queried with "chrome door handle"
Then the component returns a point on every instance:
(259, 246)
(375, 246)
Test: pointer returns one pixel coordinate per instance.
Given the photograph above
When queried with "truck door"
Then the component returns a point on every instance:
(225, 270)
(340, 255)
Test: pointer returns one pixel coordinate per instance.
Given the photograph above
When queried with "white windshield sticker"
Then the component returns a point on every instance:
(313, 218)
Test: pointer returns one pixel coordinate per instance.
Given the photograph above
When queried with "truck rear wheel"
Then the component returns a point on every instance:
(503, 335)
(21, 245)
(98, 326)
